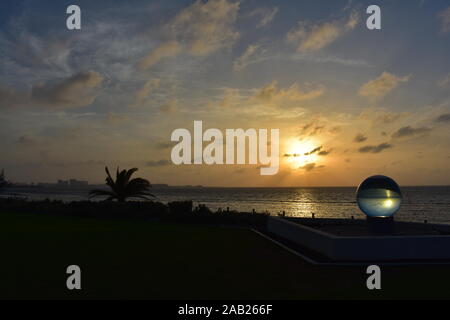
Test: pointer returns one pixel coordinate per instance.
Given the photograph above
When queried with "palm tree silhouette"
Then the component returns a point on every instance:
(3, 182)
(123, 188)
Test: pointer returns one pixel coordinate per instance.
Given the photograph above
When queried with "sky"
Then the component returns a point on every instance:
(349, 102)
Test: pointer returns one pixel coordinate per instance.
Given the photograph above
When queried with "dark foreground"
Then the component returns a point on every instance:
(123, 259)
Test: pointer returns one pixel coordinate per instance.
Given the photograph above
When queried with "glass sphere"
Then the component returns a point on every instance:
(378, 196)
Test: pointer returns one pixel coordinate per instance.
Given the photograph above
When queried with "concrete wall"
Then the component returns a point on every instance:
(365, 248)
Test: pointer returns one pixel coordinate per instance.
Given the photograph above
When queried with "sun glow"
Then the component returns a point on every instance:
(299, 153)
(388, 203)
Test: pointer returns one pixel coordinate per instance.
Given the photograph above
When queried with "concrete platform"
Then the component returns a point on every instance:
(350, 240)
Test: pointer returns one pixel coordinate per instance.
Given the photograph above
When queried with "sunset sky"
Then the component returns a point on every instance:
(358, 101)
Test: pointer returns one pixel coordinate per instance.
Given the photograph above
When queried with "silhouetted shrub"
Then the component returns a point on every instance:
(180, 207)
(177, 211)
(202, 209)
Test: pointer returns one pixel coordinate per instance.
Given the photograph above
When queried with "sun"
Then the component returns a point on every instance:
(299, 152)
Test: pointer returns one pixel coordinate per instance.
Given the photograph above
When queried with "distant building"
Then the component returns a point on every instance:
(62, 184)
(78, 184)
(45, 185)
(160, 185)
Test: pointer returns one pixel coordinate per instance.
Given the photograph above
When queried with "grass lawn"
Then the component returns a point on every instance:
(126, 259)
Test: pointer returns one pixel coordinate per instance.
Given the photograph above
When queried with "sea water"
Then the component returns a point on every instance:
(419, 203)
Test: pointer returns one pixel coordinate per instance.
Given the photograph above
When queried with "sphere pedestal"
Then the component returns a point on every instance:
(381, 225)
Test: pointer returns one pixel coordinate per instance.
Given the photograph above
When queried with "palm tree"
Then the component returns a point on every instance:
(3, 182)
(123, 187)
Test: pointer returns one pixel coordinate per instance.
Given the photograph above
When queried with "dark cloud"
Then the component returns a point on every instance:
(315, 150)
(158, 163)
(311, 166)
(71, 92)
(335, 130)
(443, 118)
(360, 138)
(409, 131)
(163, 145)
(375, 149)
(388, 118)
(75, 91)
(311, 129)
(324, 153)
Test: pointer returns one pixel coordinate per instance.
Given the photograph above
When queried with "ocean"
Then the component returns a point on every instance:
(419, 203)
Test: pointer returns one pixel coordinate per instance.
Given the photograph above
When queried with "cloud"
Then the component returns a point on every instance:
(409, 131)
(324, 153)
(319, 151)
(388, 117)
(444, 82)
(63, 133)
(229, 97)
(381, 86)
(74, 91)
(27, 141)
(381, 117)
(116, 119)
(269, 98)
(142, 94)
(352, 21)
(315, 150)
(312, 37)
(443, 118)
(169, 107)
(165, 50)
(30, 50)
(199, 29)
(335, 130)
(249, 55)
(271, 94)
(311, 166)
(360, 138)
(206, 26)
(163, 145)
(444, 16)
(11, 98)
(311, 129)
(158, 163)
(375, 149)
(266, 15)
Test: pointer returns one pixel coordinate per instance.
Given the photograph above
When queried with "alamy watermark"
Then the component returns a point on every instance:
(73, 21)
(230, 148)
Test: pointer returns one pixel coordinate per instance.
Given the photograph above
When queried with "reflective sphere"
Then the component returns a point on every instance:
(378, 196)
